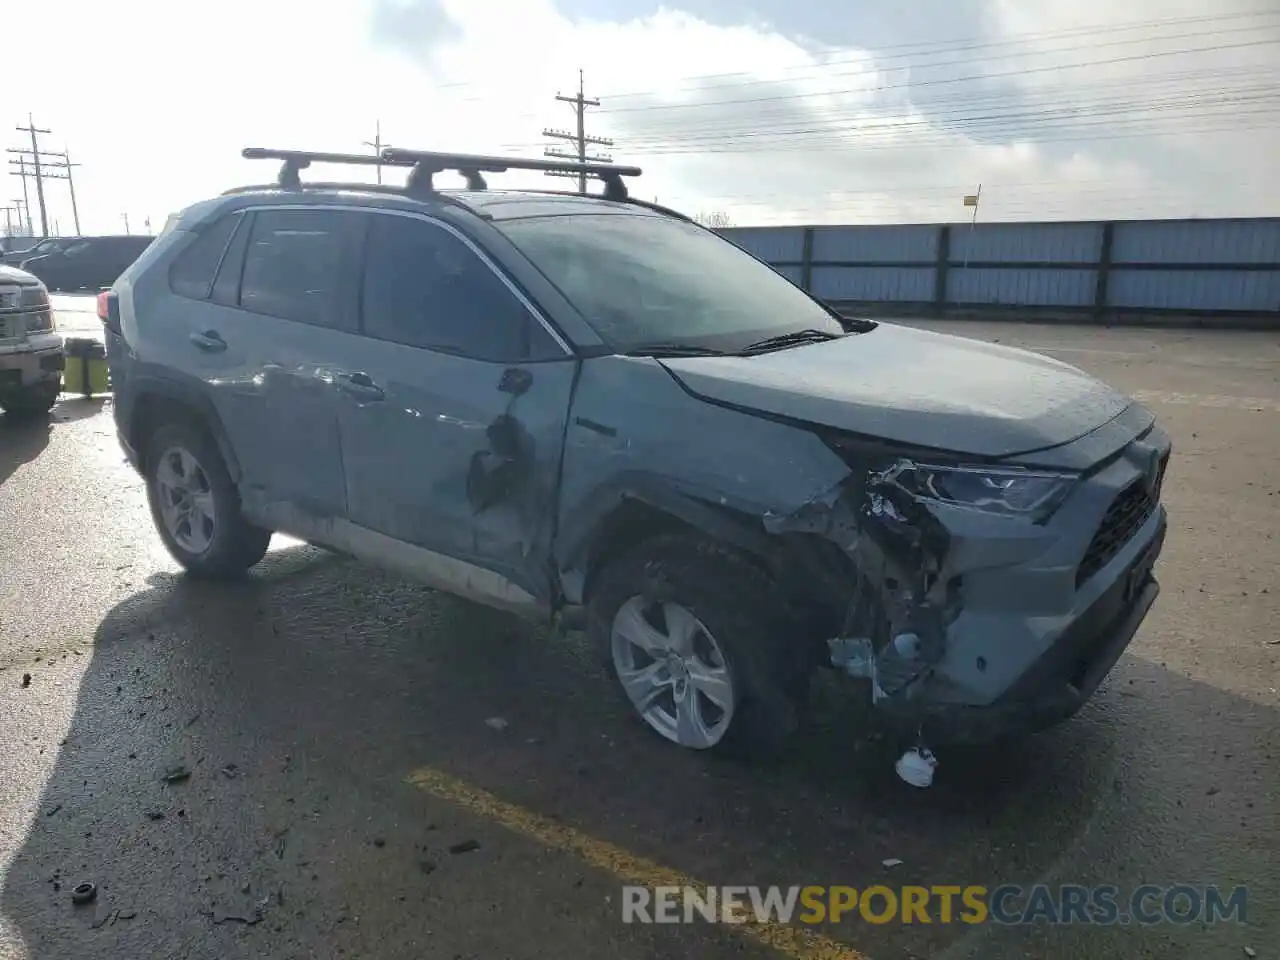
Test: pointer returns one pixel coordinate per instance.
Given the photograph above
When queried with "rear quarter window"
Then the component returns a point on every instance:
(192, 272)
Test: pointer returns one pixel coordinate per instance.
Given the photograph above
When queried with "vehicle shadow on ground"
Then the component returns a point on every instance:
(289, 710)
(22, 439)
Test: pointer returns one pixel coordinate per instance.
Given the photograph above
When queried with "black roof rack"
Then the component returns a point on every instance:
(296, 160)
(426, 164)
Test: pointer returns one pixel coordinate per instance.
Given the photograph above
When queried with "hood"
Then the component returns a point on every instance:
(15, 276)
(916, 388)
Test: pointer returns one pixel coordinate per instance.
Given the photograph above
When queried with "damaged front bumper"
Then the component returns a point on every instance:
(990, 625)
(1055, 685)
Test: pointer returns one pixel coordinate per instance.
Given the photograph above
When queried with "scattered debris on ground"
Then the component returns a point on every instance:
(84, 893)
(52, 810)
(466, 846)
(496, 723)
(891, 862)
(248, 921)
(176, 774)
(26, 679)
(109, 919)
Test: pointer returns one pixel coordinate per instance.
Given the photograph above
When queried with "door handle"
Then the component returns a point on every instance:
(210, 341)
(360, 386)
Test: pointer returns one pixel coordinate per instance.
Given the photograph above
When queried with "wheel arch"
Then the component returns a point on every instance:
(620, 515)
(158, 402)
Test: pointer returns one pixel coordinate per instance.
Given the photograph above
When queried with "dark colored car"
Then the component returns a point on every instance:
(85, 263)
(17, 249)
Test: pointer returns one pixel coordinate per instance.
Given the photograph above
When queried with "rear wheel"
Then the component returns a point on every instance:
(196, 507)
(697, 639)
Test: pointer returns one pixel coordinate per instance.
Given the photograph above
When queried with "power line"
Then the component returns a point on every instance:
(579, 103)
(1076, 100)
(1250, 95)
(1026, 71)
(906, 51)
(874, 61)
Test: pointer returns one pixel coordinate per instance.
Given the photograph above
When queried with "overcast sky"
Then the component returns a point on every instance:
(771, 111)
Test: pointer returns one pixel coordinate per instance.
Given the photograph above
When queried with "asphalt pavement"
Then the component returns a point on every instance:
(327, 761)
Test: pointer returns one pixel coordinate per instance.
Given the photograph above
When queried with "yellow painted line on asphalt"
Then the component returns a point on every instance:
(790, 941)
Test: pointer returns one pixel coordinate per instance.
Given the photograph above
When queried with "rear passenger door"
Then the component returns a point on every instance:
(454, 416)
(273, 311)
(297, 304)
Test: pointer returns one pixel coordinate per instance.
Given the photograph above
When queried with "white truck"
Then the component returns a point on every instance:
(31, 352)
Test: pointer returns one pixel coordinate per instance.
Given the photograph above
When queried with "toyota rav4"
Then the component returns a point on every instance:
(589, 408)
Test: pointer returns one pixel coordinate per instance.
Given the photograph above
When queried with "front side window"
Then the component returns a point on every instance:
(293, 267)
(424, 287)
(642, 280)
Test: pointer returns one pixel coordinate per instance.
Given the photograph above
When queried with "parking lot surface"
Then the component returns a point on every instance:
(357, 766)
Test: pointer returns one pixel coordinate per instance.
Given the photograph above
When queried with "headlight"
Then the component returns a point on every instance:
(34, 297)
(1002, 491)
(39, 322)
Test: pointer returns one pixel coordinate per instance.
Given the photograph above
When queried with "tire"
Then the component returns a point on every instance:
(34, 401)
(226, 545)
(737, 607)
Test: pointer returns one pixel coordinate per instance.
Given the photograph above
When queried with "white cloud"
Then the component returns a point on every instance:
(156, 106)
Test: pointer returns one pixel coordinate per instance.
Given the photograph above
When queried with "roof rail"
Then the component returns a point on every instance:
(296, 160)
(472, 166)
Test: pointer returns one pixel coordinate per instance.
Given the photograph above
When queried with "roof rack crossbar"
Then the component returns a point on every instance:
(297, 160)
(428, 163)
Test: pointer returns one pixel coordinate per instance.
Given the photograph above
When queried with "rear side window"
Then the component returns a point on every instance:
(193, 271)
(293, 268)
(423, 287)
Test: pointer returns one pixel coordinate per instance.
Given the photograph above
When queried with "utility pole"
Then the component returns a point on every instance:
(580, 138)
(126, 224)
(64, 163)
(377, 145)
(34, 131)
(20, 208)
(21, 171)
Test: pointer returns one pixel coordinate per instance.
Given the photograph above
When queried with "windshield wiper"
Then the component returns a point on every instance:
(672, 350)
(793, 339)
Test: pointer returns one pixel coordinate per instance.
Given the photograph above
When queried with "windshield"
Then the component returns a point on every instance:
(643, 281)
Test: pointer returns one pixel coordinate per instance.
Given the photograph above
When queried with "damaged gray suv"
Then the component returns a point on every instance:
(592, 410)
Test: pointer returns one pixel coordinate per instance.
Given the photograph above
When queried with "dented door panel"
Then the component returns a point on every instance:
(451, 460)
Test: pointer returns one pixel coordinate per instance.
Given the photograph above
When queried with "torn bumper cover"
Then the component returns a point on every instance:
(984, 623)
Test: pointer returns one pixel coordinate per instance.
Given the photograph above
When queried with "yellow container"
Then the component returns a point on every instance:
(85, 373)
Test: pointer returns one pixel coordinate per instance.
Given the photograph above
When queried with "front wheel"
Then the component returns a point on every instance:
(697, 638)
(33, 401)
(196, 507)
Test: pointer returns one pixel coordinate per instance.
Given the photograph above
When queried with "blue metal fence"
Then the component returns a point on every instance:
(1196, 267)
